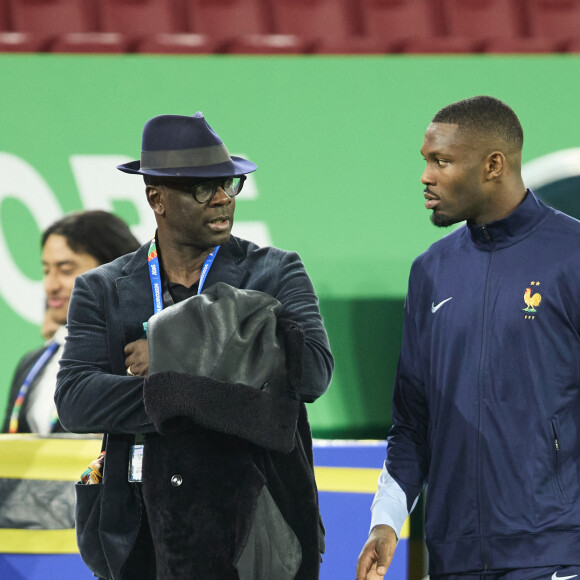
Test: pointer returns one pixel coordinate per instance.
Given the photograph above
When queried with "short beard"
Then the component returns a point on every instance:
(441, 220)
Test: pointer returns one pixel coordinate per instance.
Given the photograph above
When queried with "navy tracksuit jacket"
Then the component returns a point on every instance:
(486, 407)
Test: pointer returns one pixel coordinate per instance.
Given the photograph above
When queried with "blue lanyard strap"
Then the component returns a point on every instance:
(32, 374)
(205, 268)
(155, 276)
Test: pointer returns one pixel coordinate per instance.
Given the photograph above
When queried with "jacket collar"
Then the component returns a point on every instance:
(134, 286)
(134, 295)
(228, 266)
(227, 263)
(505, 232)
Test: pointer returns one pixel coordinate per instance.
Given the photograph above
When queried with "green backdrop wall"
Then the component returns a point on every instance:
(336, 140)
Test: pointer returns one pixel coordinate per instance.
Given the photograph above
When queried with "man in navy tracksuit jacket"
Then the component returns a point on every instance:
(486, 407)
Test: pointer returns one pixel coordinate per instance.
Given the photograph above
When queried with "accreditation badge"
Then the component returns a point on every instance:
(136, 464)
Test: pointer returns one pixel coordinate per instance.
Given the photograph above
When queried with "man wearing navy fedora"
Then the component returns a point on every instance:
(194, 356)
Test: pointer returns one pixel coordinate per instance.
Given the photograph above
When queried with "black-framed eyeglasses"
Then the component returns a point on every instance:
(204, 191)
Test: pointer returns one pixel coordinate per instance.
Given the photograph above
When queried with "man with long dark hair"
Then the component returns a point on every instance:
(72, 245)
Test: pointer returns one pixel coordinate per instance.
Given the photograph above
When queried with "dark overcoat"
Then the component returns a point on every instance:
(107, 310)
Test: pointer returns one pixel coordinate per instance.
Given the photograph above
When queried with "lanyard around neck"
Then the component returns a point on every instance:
(155, 274)
(32, 374)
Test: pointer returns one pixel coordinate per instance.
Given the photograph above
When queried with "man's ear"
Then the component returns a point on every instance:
(155, 198)
(495, 165)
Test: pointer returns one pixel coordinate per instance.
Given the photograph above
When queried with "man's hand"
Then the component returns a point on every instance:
(137, 361)
(377, 553)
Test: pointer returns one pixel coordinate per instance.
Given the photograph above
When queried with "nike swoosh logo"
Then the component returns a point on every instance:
(435, 308)
(556, 577)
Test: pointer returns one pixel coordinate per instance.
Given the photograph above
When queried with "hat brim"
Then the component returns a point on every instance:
(237, 166)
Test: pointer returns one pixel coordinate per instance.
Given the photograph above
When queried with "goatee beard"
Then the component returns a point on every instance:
(441, 220)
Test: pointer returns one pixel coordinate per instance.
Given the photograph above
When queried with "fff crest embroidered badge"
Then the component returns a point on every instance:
(532, 301)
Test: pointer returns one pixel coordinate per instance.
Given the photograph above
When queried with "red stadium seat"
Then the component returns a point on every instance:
(22, 42)
(521, 45)
(397, 19)
(268, 44)
(91, 42)
(479, 20)
(557, 19)
(52, 17)
(179, 43)
(351, 45)
(137, 18)
(5, 24)
(227, 19)
(315, 19)
(573, 45)
(420, 45)
(438, 45)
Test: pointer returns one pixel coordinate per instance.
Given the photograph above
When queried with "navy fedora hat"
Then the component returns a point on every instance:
(176, 146)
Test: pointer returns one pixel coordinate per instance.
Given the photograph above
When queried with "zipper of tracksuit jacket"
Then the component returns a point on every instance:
(481, 392)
